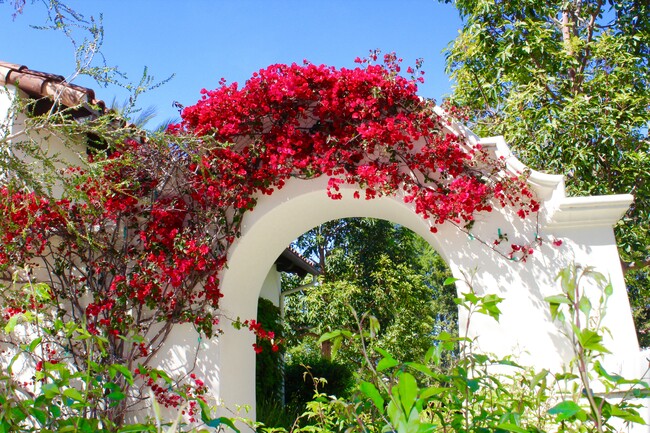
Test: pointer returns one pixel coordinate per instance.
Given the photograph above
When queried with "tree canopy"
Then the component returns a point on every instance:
(567, 83)
(377, 268)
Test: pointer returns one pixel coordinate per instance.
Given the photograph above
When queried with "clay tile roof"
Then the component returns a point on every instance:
(38, 85)
(293, 262)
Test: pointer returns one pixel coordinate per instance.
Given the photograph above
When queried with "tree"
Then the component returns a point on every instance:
(378, 268)
(567, 83)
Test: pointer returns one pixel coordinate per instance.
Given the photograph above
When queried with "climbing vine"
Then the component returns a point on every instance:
(133, 238)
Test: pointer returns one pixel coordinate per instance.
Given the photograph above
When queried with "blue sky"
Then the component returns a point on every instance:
(201, 41)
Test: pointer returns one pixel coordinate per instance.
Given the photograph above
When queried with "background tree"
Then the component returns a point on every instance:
(568, 85)
(375, 267)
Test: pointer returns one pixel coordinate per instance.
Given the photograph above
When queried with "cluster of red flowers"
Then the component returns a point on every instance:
(362, 126)
(145, 229)
(262, 335)
(28, 221)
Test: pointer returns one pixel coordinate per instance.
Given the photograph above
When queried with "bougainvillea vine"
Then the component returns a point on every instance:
(134, 241)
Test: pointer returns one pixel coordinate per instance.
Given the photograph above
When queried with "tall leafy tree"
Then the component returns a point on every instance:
(567, 82)
(381, 269)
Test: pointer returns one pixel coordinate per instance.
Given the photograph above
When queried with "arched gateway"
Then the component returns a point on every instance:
(525, 329)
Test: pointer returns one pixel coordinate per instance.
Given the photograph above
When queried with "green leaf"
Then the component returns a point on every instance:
(328, 336)
(471, 297)
(480, 358)
(565, 376)
(371, 392)
(117, 396)
(128, 376)
(407, 389)
(430, 356)
(565, 280)
(155, 374)
(585, 305)
(590, 340)
(565, 410)
(35, 343)
(374, 326)
(336, 345)
(17, 415)
(383, 352)
(11, 363)
(598, 367)
(431, 391)
(627, 414)
(40, 416)
(538, 378)
(50, 390)
(42, 291)
(450, 280)
(421, 368)
(554, 311)
(473, 384)
(386, 363)
(557, 299)
(137, 428)
(609, 289)
(511, 427)
(488, 305)
(11, 323)
(214, 422)
(73, 394)
(55, 410)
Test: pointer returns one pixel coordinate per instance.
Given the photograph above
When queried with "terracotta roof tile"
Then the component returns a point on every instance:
(45, 85)
(293, 262)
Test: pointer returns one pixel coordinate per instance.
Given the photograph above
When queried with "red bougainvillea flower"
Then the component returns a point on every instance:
(142, 233)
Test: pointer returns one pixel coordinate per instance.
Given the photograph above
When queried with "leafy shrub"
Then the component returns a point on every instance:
(300, 377)
(480, 393)
(269, 369)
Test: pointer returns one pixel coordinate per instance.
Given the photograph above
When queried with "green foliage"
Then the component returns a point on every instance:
(567, 83)
(581, 306)
(380, 268)
(268, 363)
(479, 393)
(299, 379)
(80, 395)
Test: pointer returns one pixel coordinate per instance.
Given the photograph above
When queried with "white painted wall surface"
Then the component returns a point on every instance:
(52, 146)
(272, 286)
(7, 97)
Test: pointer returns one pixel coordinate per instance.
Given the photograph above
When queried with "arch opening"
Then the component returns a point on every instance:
(371, 271)
(295, 209)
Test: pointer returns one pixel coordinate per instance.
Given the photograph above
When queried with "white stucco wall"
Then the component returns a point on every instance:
(525, 329)
(7, 97)
(272, 286)
(52, 147)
